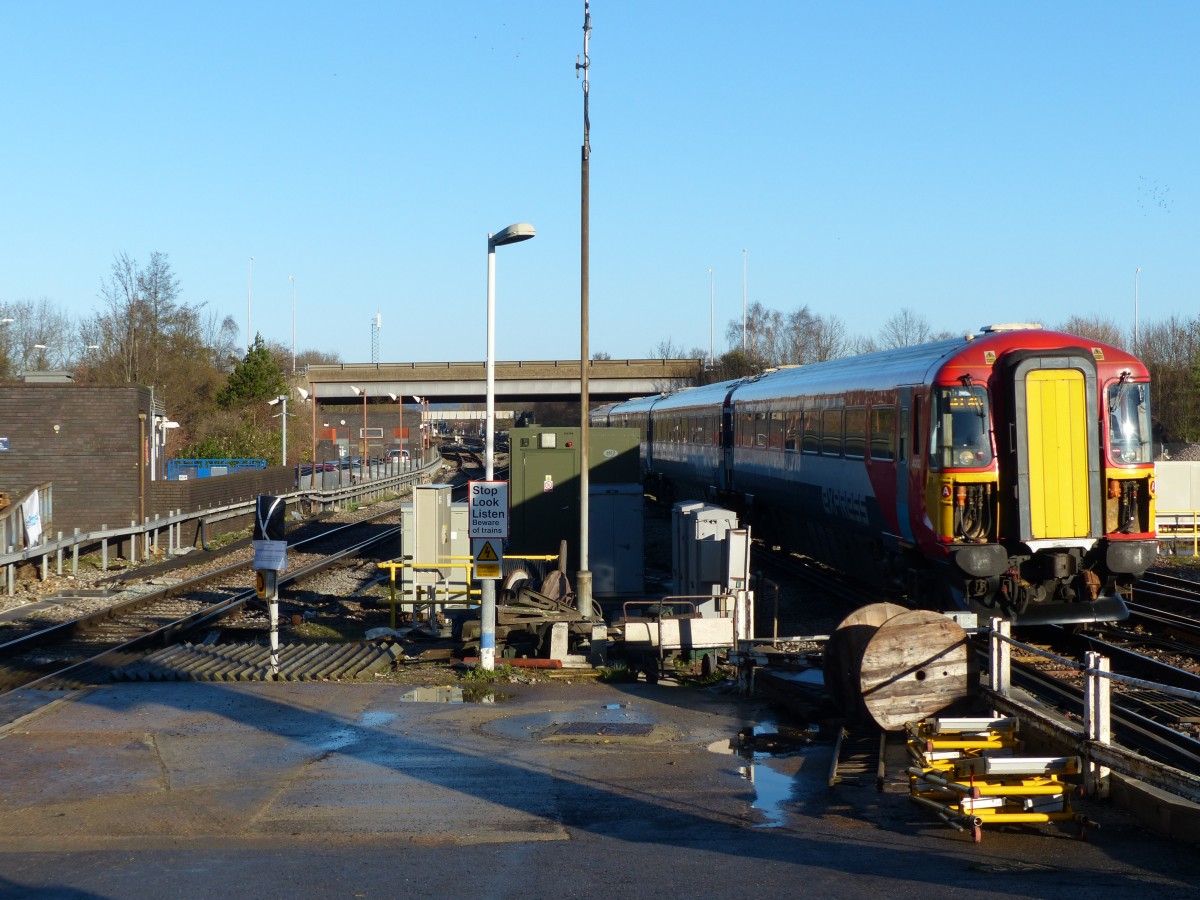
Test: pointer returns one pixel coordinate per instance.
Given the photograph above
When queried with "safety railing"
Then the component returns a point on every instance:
(1100, 754)
(454, 591)
(145, 538)
(1175, 526)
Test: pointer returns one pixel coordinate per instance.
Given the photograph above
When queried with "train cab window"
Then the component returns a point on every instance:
(883, 432)
(810, 439)
(1129, 422)
(855, 443)
(961, 433)
(831, 432)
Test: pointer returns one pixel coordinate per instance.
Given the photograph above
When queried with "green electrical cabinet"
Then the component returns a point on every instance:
(544, 498)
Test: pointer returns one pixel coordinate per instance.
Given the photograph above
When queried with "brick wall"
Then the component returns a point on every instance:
(98, 454)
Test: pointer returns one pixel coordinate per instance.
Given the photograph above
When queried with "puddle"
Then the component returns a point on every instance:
(336, 740)
(481, 693)
(374, 719)
(771, 789)
(765, 748)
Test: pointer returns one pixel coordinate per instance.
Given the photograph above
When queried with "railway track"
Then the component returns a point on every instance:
(1159, 725)
(85, 648)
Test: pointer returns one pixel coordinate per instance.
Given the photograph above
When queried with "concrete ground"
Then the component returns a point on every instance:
(563, 790)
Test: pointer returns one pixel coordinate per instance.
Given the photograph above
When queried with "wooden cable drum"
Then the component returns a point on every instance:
(915, 665)
(843, 655)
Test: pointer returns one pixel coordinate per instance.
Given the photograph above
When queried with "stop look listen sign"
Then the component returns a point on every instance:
(488, 509)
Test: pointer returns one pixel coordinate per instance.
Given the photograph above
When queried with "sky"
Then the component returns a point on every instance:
(973, 162)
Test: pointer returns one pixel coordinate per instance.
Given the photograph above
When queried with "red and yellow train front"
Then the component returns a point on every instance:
(1040, 485)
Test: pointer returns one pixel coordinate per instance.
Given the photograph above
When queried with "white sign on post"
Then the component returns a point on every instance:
(488, 505)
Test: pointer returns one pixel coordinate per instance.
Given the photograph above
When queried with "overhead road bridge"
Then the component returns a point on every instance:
(530, 381)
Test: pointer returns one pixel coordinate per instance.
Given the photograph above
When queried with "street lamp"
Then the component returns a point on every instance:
(743, 300)
(710, 318)
(163, 425)
(400, 400)
(282, 416)
(1135, 308)
(421, 424)
(292, 279)
(42, 355)
(513, 234)
(249, 298)
(363, 462)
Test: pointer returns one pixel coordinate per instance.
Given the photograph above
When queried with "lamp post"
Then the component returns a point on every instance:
(743, 300)
(400, 401)
(249, 299)
(292, 279)
(163, 425)
(1135, 308)
(283, 414)
(363, 459)
(513, 234)
(710, 318)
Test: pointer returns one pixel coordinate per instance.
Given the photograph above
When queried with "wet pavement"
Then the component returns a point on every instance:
(565, 790)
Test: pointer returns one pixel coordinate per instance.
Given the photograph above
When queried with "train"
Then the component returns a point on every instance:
(1007, 472)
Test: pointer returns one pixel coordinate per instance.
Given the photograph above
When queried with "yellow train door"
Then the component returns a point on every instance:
(1059, 501)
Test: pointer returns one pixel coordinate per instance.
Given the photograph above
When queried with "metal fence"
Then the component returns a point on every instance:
(165, 533)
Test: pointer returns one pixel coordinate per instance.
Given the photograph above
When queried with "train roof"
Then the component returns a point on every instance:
(922, 363)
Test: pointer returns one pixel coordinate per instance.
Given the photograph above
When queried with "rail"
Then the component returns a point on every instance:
(144, 537)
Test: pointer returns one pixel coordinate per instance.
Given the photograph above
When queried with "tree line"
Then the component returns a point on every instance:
(146, 334)
(1170, 350)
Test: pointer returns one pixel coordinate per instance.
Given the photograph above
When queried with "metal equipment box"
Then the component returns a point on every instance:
(431, 533)
(616, 554)
(544, 495)
(699, 550)
(457, 580)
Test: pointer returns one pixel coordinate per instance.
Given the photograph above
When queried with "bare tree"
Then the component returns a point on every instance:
(1171, 351)
(904, 329)
(1098, 328)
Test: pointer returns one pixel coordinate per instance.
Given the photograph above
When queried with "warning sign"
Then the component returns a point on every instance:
(488, 509)
(488, 554)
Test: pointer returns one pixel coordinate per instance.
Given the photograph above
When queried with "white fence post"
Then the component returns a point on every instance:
(1097, 721)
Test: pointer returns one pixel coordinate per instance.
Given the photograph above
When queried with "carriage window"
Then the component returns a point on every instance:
(883, 433)
(810, 441)
(856, 433)
(760, 430)
(831, 432)
(1129, 422)
(776, 439)
(791, 434)
(745, 436)
(961, 434)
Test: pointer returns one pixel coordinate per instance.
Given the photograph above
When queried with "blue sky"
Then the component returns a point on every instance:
(976, 162)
